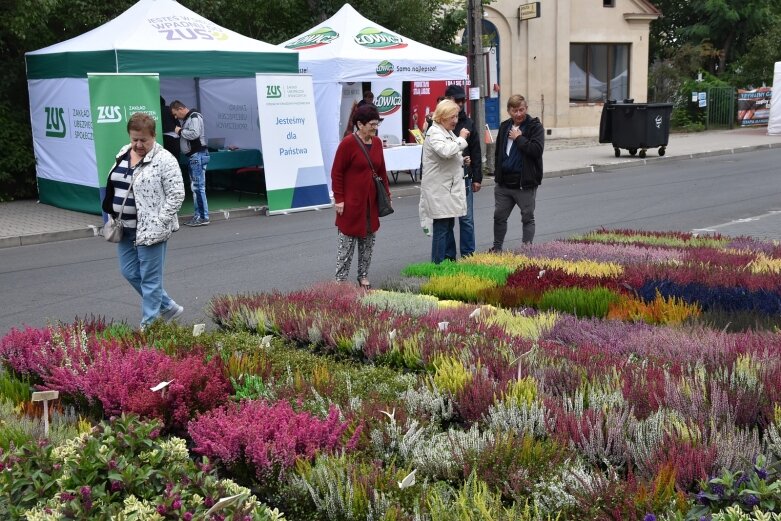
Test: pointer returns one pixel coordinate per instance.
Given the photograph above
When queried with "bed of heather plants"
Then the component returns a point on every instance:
(617, 375)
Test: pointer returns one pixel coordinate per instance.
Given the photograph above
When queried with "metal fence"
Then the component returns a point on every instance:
(721, 107)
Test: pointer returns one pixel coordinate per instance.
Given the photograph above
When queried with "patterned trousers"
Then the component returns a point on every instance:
(344, 255)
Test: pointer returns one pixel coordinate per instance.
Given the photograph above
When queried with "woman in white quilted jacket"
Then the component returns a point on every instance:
(149, 214)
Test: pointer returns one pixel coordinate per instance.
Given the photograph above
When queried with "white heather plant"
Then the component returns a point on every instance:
(645, 437)
(531, 419)
(557, 493)
(428, 402)
(402, 303)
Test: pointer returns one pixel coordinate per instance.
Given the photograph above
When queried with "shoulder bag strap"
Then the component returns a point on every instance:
(129, 188)
(366, 153)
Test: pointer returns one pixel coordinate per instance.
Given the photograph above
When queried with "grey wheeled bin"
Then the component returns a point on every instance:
(639, 126)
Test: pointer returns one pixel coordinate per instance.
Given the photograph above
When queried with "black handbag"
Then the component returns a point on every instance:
(383, 201)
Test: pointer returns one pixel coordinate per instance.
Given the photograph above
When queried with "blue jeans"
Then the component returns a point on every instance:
(142, 266)
(466, 226)
(442, 236)
(198, 162)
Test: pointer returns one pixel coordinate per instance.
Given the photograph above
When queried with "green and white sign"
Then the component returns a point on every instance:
(387, 97)
(292, 159)
(113, 99)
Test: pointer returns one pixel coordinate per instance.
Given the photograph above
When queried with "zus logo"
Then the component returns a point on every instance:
(658, 121)
(55, 122)
(109, 114)
(273, 91)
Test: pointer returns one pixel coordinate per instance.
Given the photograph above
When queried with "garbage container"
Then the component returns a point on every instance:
(638, 126)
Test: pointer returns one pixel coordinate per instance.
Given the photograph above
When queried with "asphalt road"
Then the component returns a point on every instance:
(65, 280)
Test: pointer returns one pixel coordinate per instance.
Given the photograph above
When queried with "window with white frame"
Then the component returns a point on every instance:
(598, 71)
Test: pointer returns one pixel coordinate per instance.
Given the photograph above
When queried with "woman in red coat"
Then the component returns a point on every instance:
(355, 195)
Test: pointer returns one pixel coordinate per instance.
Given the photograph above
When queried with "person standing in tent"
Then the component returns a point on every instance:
(473, 173)
(358, 157)
(193, 143)
(170, 137)
(518, 170)
(146, 186)
(368, 99)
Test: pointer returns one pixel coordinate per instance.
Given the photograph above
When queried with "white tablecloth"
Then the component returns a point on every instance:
(403, 157)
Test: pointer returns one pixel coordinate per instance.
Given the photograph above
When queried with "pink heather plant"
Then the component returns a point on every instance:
(268, 437)
(35, 352)
(120, 380)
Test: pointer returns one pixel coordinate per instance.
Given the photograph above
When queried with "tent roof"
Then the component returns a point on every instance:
(160, 36)
(350, 47)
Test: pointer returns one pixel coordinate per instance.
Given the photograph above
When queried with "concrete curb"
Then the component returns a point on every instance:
(92, 231)
(404, 191)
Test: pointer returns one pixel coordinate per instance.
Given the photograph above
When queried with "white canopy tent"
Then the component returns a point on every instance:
(204, 65)
(351, 48)
(774, 123)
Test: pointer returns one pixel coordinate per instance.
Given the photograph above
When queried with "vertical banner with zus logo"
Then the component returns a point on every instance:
(387, 97)
(292, 159)
(62, 141)
(113, 99)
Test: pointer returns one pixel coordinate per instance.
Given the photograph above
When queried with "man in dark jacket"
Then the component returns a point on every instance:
(473, 174)
(518, 169)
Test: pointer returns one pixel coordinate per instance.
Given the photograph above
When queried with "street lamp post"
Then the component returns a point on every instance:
(474, 9)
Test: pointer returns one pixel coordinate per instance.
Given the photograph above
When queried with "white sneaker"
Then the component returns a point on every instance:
(172, 313)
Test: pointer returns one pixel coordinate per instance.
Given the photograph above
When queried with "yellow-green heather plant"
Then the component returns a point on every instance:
(765, 264)
(653, 240)
(239, 363)
(406, 352)
(457, 287)
(475, 501)
(516, 324)
(505, 259)
(450, 374)
(587, 268)
(521, 392)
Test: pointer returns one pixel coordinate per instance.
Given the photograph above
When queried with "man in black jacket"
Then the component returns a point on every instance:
(518, 169)
(473, 174)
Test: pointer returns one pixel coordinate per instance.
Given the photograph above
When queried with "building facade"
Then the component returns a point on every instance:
(568, 60)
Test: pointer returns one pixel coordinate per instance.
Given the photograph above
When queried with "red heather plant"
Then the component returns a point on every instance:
(723, 258)
(693, 461)
(539, 281)
(120, 379)
(268, 438)
(474, 399)
(707, 275)
(644, 389)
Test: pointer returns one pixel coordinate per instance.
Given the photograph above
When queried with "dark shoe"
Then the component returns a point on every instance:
(195, 221)
(494, 250)
(205, 222)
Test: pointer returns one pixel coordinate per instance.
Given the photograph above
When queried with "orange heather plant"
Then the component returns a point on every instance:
(660, 310)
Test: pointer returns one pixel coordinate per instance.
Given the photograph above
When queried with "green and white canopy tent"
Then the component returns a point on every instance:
(153, 36)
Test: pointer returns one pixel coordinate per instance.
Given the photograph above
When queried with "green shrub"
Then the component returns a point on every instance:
(14, 389)
(121, 470)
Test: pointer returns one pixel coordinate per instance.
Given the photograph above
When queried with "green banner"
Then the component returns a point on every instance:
(113, 99)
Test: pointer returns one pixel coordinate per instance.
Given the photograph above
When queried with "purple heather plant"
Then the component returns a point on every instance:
(616, 253)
